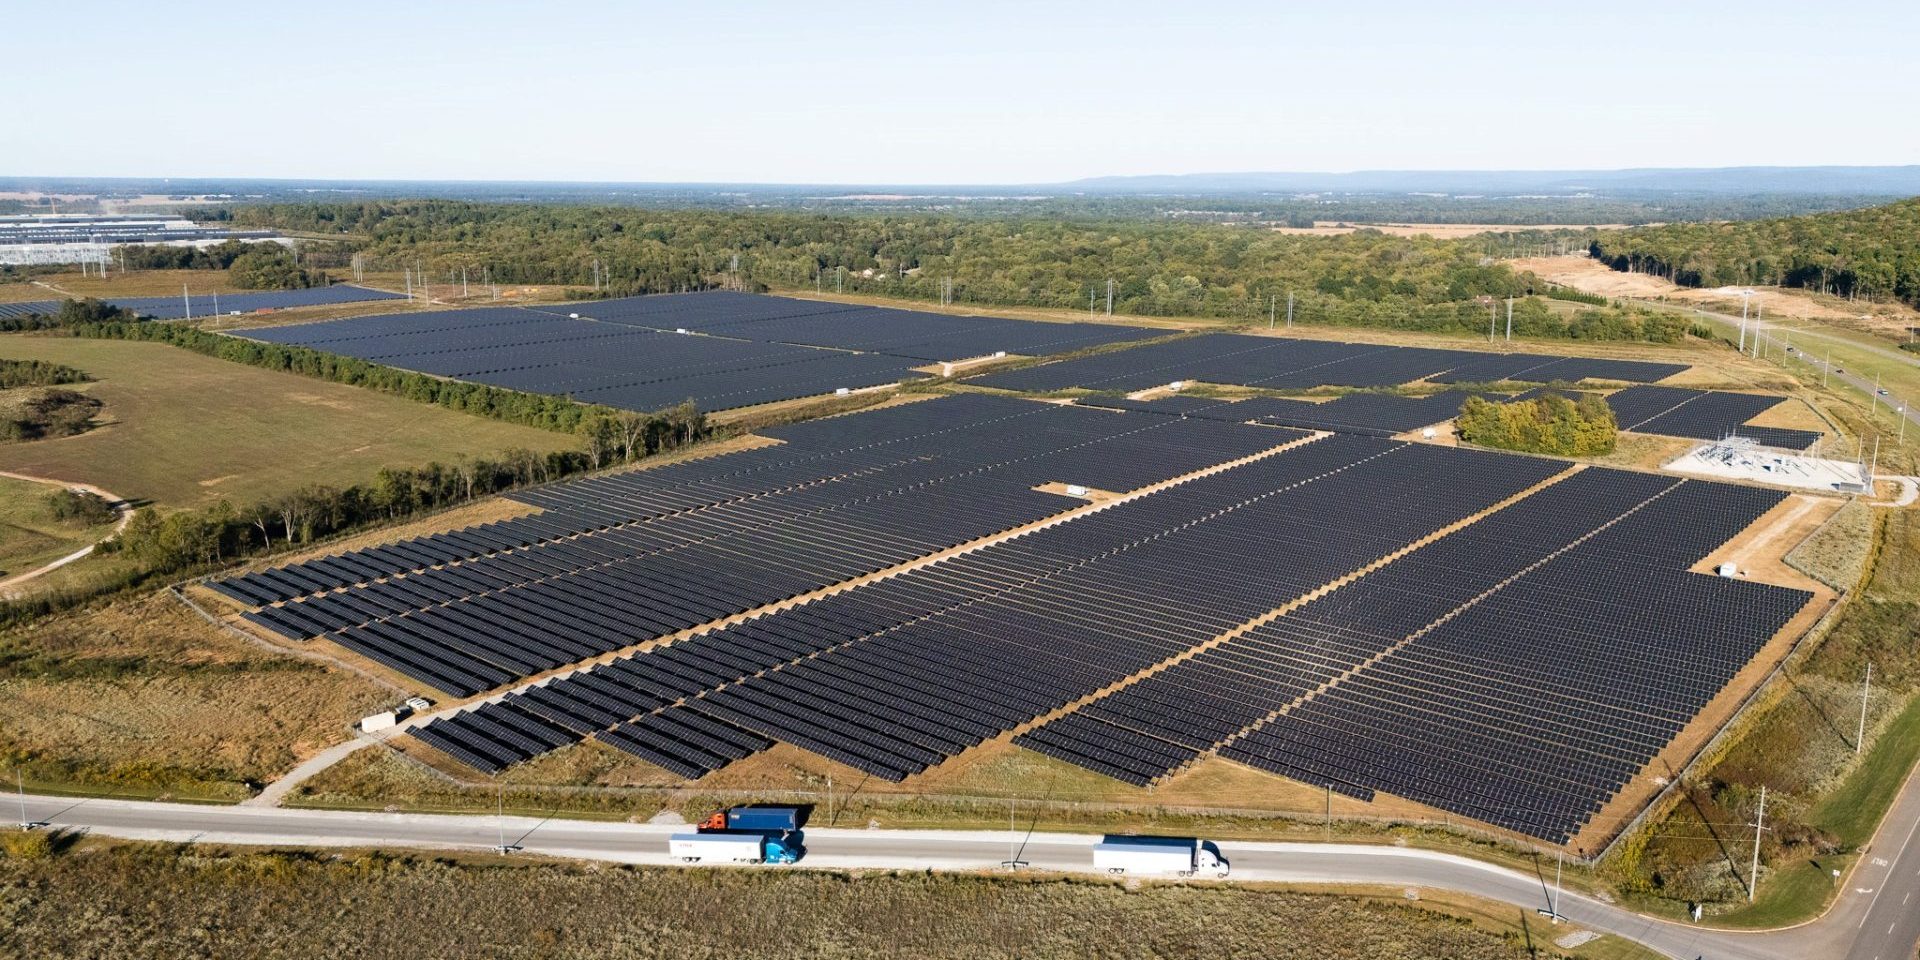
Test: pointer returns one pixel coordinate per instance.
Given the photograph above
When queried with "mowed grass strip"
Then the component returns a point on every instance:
(185, 430)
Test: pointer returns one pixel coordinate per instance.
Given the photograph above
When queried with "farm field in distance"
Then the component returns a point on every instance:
(186, 430)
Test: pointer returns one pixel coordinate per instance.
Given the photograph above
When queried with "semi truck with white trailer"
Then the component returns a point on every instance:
(1159, 856)
(745, 847)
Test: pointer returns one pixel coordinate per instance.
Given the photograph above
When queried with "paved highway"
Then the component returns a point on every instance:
(1771, 342)
(1876, 921)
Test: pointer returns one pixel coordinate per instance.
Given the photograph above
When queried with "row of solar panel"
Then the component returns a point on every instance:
(1703, 415)
(1373, 414)
(1283, 363)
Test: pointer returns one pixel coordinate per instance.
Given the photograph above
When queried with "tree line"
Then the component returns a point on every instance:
(1243, 272)
(1871, 254)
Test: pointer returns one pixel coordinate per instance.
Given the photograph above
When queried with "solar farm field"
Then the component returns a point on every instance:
(1510, 639)
(720, 350)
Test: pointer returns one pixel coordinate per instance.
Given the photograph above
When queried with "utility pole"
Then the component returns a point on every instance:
(1759, 327)
(1744, 294)
(20, 786)
(1273, 307)
(1109, 296)
(1327, 821)
(1493, 314)
(829, 799)
(1866, 689)
(463, 281)
(1509, 318)
(186, 301)
(1826, 367)
(504, 848)
(1289, 309)
(1876, 392)
(1759, 821)
(216, 303)
(1560, 862)
(409, 274)
(1013, 861)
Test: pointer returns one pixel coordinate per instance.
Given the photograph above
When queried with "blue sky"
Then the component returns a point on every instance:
(976, 92)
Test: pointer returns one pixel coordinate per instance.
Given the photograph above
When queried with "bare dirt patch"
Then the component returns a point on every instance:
(1439, 231)
(1592, 276)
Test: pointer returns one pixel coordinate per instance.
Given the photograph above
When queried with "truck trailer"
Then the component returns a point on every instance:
(1158, 856)
(716, 847)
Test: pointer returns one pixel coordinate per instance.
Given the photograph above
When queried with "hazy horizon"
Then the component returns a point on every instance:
(1002, 94)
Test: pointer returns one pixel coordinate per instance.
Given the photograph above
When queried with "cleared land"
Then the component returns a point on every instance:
(138, 283)
(142, 697)
(1440, 231)
(185, 430)
(29, 534)
(135, 900)
(1592, 276)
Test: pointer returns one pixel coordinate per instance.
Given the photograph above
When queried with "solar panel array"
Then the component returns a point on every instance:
(634, 353)
(622, 366)
(902, 333)
(1519, 671)
(1371, 414)
(898, 675)
(619, 560)
(29, 308)
(1552, 368)
(1283, 363)
(1703, 415)
(174, 308)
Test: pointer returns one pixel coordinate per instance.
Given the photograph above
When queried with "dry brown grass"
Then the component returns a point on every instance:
(143, 696)
(135, 900)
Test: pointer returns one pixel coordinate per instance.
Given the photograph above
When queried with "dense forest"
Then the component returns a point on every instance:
(1549, 423)
(1871, 254)
(1157, 269)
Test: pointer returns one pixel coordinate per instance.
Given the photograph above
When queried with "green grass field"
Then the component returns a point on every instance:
(185, 430)
(29, 535)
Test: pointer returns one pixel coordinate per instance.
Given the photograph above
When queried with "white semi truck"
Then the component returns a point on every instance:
(730, 848)
(1159, 856)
